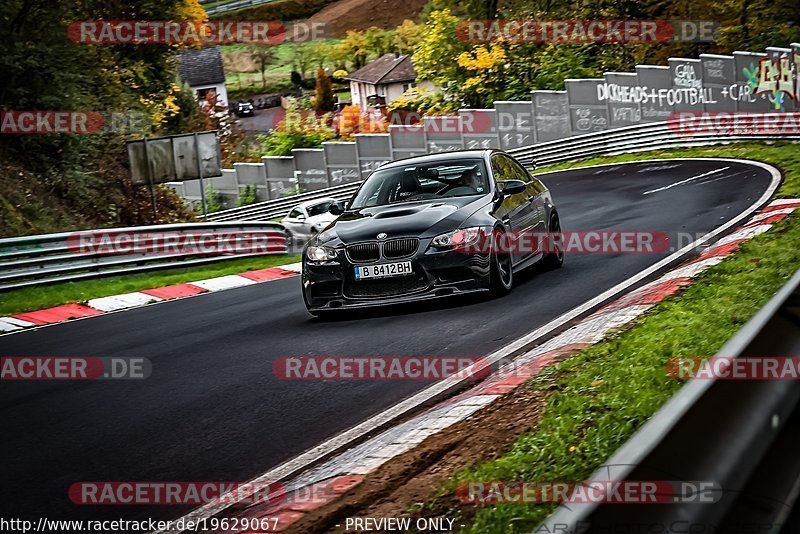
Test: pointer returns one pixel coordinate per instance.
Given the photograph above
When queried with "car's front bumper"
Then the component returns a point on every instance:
(332, 285)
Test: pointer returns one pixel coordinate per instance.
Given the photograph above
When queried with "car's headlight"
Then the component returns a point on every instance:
(459, 238)
(320, 253)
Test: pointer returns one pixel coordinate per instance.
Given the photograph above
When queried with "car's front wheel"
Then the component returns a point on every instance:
(501, 275)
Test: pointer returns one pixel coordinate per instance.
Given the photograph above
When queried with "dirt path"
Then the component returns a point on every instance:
(362, 14)
(396, 488)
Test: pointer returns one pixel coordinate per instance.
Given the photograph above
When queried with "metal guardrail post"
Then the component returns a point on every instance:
(40, 259)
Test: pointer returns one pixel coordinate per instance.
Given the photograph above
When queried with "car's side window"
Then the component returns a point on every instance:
(295, 214)
(500, 169)
(518, 171)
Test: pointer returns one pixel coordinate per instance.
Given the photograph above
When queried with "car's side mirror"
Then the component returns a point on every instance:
(336, 208)
(301, 217)
(512, 187)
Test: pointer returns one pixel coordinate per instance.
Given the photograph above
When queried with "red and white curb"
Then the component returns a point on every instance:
(125, 301)
(324, 483)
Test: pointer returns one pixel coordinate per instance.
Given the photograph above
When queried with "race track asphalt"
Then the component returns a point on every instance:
(212, 409)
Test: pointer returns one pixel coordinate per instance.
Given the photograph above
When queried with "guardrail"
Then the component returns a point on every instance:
(739, 435)
(643, 137)
(271, 209)
(637, 138)
(41, 259)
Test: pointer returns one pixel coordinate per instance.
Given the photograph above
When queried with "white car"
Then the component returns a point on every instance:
(308, 219)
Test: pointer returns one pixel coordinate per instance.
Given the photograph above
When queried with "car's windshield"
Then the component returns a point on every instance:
(432, 181)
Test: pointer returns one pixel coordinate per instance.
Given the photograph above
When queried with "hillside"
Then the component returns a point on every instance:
(346, 15)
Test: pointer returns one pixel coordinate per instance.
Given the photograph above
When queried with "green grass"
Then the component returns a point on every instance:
(603, 394)
(39, 297)
(277, 75)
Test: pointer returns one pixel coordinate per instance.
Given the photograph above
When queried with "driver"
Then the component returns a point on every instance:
(471, 179)
(469, 183)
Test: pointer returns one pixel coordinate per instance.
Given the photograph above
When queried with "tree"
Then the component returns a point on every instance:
(325, 97)
(302, 57)
(263, 55)
(355, 46)
(78, 178)
(485, 81)
(339, 56)
(407, 36)
(378, 41)
(320, 53)
(439, 46)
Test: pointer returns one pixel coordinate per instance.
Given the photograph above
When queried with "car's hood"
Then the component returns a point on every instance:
(422, 219)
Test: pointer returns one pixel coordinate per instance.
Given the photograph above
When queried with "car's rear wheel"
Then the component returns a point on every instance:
(501, 274)
(554, 259)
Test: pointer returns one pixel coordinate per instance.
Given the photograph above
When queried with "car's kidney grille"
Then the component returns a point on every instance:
(385, 287)
(363, 252)
(400, 248)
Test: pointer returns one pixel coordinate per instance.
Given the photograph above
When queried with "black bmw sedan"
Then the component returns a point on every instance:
(431, 226)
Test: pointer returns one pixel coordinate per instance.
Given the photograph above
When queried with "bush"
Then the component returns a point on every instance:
(247, 196)
(213, 199)
(281, 143)
(424, 101)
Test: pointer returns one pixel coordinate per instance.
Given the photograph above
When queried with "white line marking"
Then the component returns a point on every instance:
(294, 267)
(693, 269)
(223, 282)
(769, 214)
(8, 324)
(783, 201)
(686, 181)
(319, 453)
(122, 301)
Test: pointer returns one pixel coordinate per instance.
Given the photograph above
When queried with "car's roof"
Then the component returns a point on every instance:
(427, 159)
(314, 202)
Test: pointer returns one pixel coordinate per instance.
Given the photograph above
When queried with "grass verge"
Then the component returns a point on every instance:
(39, 297)
(603, 394)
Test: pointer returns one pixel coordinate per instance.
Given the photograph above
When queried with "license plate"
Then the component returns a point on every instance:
(383, 270)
